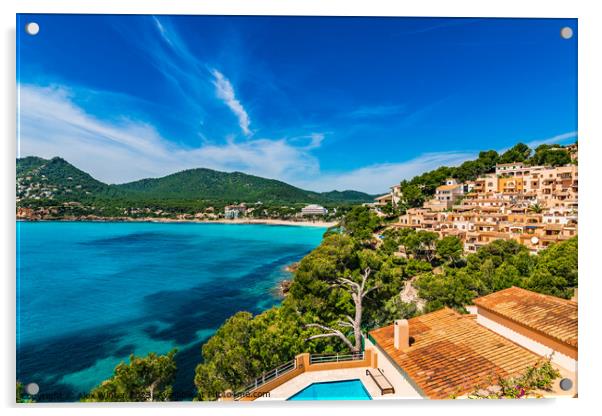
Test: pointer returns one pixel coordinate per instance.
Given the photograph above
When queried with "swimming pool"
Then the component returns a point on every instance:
(333, 390)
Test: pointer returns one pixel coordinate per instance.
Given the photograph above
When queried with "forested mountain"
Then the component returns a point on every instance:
(56, 179)
(347, 196)
(211, 184)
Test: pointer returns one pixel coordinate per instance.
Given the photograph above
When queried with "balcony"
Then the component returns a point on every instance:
(283, 381)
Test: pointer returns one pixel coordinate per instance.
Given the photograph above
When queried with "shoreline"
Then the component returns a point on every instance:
(321, 224)
(248, 221)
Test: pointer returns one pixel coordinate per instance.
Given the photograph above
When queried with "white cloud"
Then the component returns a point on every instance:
(51, 124)
(162, 30)
(201, 87)
(378, 178)
(316, 140)
(551, 140)
(548, 140)
(308, 142)
(225, 91)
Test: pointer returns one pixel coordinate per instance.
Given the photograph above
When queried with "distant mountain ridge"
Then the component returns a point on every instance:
(39, 178)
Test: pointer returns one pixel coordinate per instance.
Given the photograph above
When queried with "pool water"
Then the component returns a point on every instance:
(334, 390)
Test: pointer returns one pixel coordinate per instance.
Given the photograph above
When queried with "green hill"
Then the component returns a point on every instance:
(211, 184)
(348, 196)
(29, 164)
(56, 179)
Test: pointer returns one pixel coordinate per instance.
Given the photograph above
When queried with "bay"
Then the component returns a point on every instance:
(89, 294)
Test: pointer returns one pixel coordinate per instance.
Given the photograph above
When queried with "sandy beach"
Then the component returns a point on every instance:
(323, 224)
(273, 222)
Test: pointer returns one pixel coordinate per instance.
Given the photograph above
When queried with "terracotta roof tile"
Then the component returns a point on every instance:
(551, 316)
(451, 353)
(448, 187)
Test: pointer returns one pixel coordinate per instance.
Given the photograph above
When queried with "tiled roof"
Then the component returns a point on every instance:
(448, 187)
(452, 354)
(548, 315)
(510, 164)
(385, 196)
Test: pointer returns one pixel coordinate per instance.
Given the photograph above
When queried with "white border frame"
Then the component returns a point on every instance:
(590, 70)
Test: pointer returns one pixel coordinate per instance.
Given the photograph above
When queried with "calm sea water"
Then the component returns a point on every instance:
(90, 294)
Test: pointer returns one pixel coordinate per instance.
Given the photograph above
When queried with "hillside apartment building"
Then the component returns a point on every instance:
(443, 354)
(393, 197)
(534, 205)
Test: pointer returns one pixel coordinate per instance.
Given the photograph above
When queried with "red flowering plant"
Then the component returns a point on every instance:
(535, 379)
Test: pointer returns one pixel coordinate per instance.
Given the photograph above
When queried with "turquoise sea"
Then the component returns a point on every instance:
(89, 294)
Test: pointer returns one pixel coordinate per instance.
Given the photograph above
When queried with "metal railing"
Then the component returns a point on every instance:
(291, 365)
(335, 358)
(267, 377)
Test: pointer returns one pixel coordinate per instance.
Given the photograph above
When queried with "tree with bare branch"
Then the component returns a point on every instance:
(358, 291)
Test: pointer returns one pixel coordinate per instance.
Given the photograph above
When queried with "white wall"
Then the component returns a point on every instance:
(558, 358)
(403, 388)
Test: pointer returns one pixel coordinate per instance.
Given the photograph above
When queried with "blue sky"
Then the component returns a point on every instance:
(322, 103)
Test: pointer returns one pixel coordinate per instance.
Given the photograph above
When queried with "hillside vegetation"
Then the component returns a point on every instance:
(37, 177)
(235, 186)
(44, 183)
(420, 188)
(246, 345)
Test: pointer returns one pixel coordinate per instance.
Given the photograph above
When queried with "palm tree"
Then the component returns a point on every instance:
(536, 209)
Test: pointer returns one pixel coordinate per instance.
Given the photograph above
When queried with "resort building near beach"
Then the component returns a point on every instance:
(314, 209)
(534, 205)
(235, 211)
(439, 355)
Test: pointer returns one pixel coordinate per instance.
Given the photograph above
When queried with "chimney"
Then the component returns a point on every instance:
(401, 334)
(574, 298)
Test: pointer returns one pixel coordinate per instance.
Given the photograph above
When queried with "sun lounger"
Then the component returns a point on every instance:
(381, 381)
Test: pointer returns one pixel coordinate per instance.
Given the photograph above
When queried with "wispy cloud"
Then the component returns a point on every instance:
(552, 140)
(378, 178)
(51, 124)
(316, 140)
(162, 30)
(548, 140)
(176, 43)
(225, 92)
(202, 88)
(308, 142)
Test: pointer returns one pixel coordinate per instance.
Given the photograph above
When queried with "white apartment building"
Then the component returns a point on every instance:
(314, 209)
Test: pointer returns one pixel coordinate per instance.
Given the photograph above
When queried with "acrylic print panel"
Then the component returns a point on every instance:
(295, 208)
